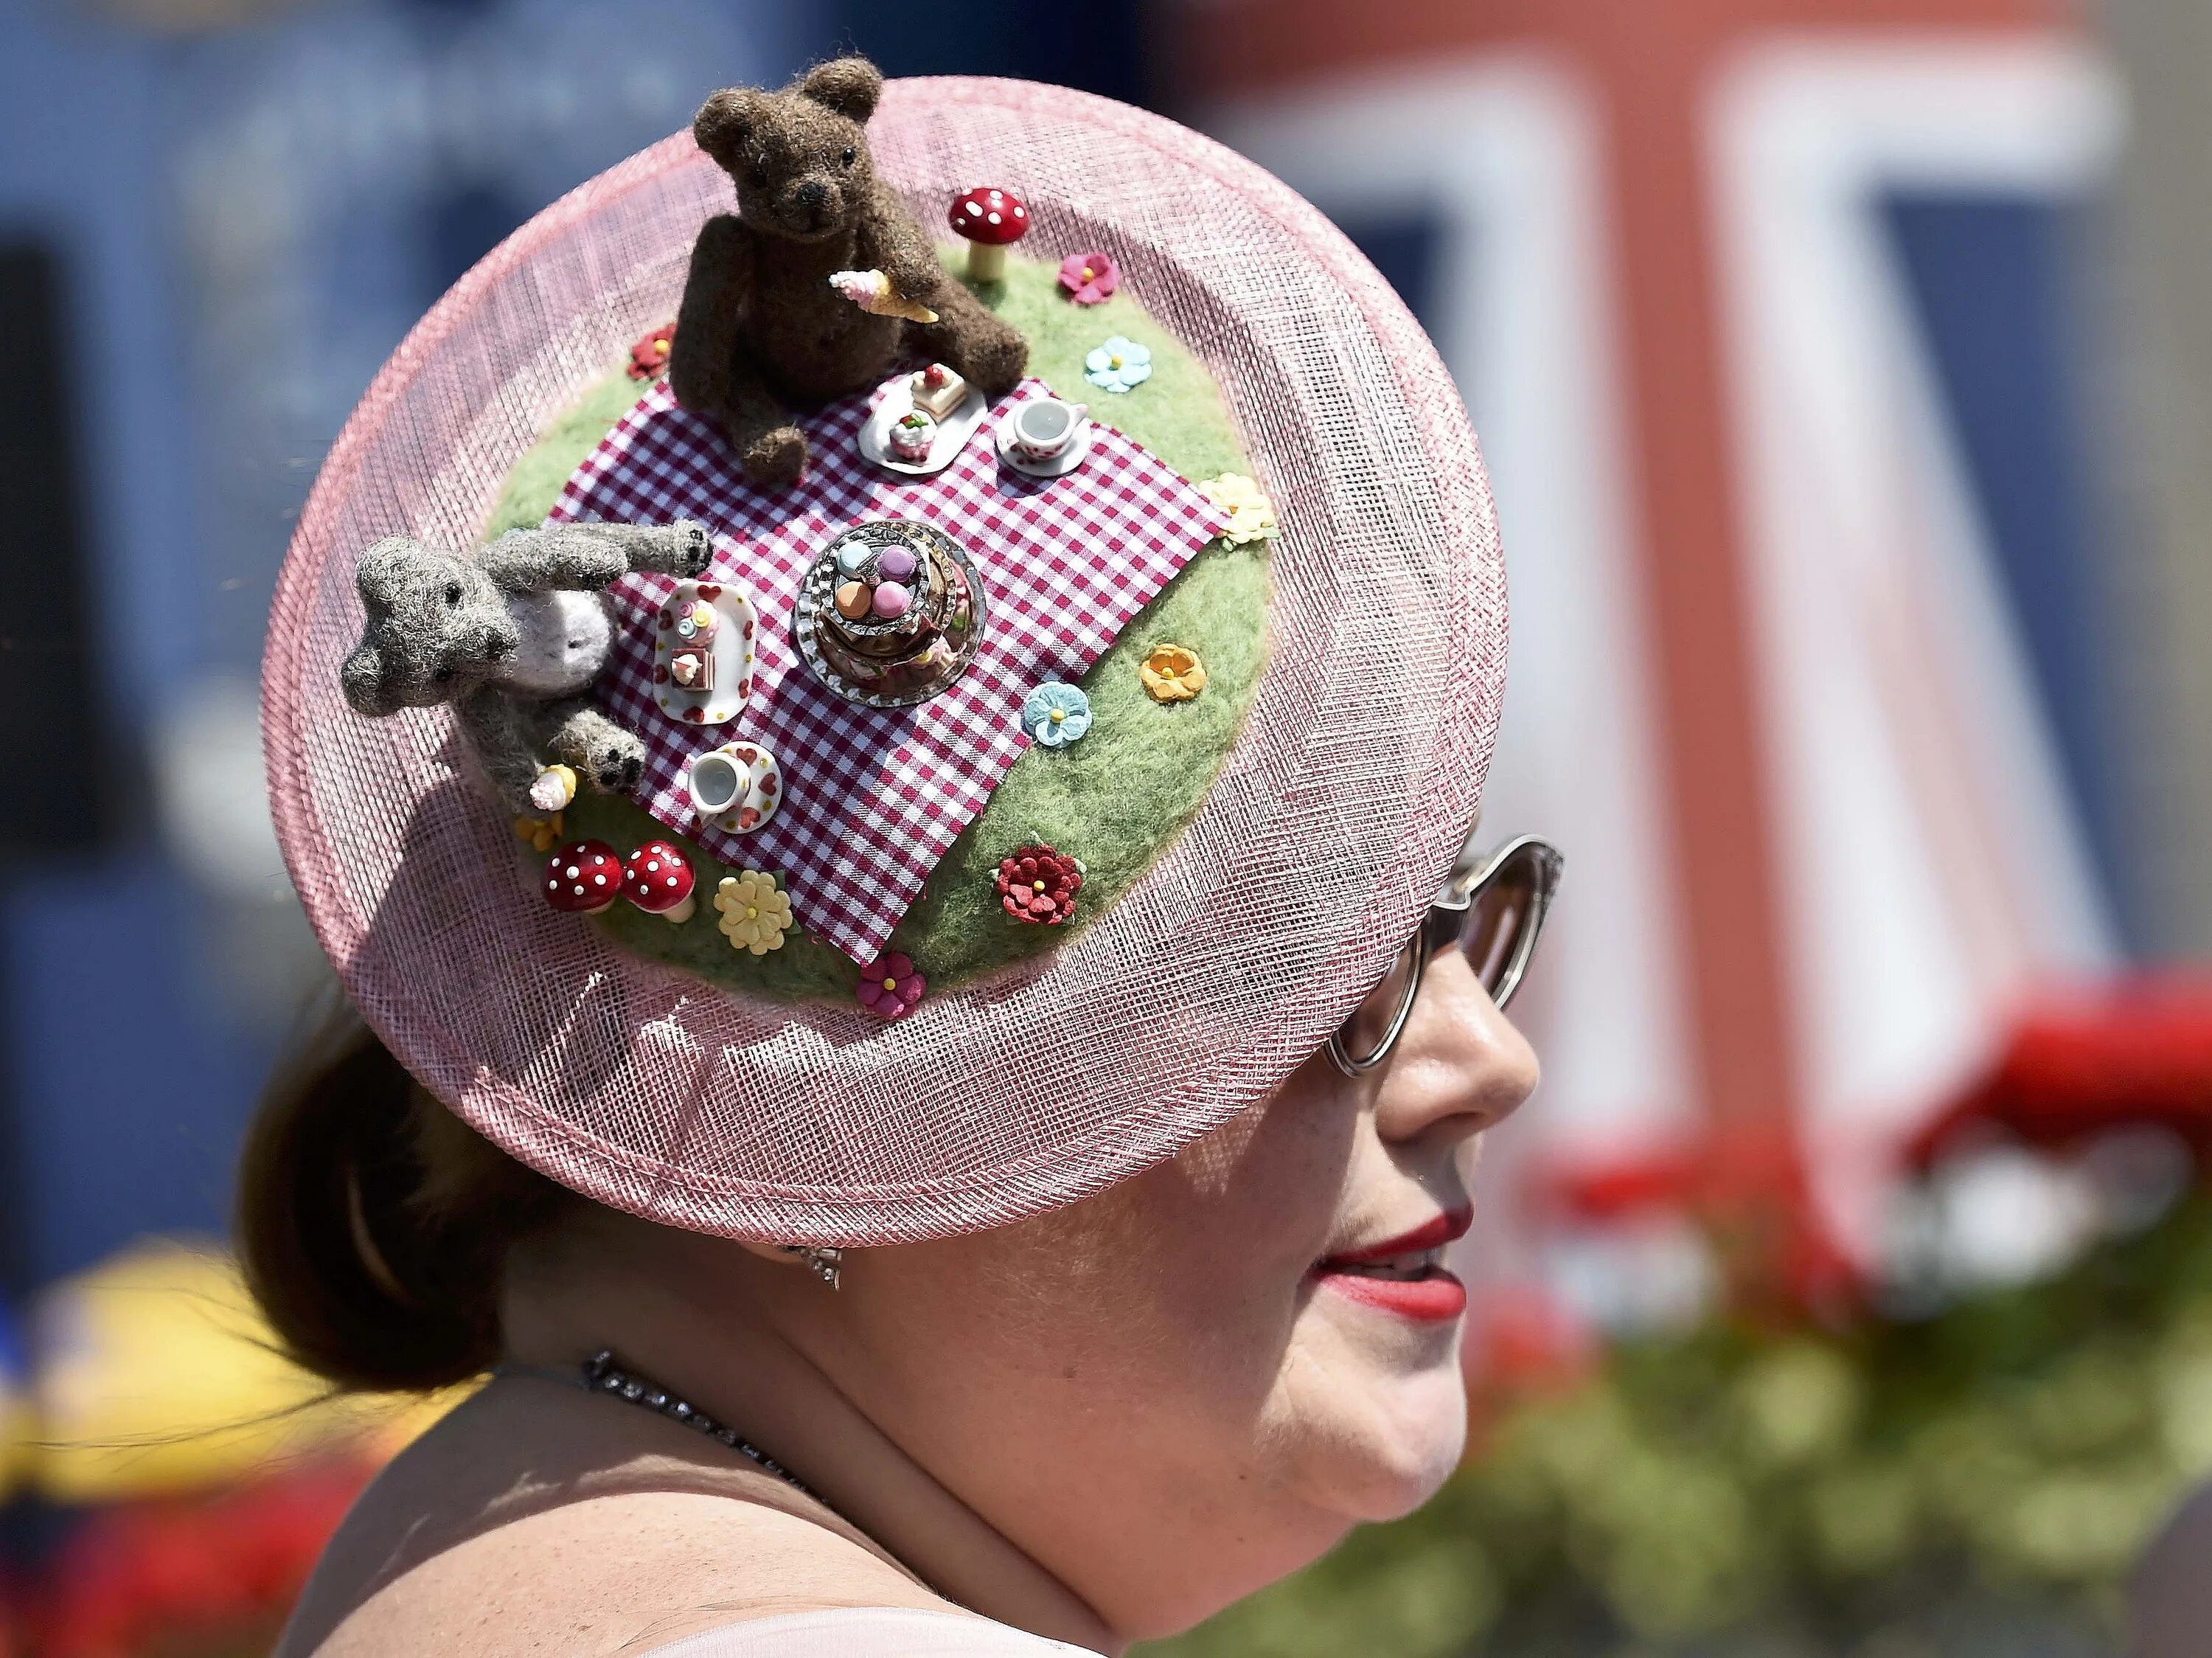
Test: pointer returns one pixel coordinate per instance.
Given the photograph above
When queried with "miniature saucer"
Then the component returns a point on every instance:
(750, 789)
(723, 700)
(953, 432)
(1058, 466)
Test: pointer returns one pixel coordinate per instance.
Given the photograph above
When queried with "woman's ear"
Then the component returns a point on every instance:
(850, 86)
(725, 121)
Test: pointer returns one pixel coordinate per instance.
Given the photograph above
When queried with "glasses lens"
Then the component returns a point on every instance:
(1501, 923)
(1369, 1027)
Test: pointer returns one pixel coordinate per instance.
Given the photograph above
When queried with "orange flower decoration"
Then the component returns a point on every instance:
(1172, 673)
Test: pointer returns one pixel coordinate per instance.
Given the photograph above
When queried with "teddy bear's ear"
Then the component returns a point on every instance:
(725, 120)
(850, 86)
(380, 573)
(367, 685)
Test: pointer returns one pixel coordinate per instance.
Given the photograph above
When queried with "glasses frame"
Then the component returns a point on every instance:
(1446, 923)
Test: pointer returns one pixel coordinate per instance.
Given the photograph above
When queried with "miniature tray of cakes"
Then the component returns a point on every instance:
(702, 654)
(890, 613)
(923, 421)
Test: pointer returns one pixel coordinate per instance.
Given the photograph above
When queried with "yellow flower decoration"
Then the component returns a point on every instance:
(544, 834)
(1251, 515)
(1172, 673)
(755, 911)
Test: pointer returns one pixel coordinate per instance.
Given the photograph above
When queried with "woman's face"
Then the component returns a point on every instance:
(1196, 1381)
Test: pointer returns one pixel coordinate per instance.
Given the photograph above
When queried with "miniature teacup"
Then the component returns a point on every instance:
(1044, 429)
(718, 782)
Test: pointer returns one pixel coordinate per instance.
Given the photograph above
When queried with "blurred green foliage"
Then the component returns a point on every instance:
(1975, 1479)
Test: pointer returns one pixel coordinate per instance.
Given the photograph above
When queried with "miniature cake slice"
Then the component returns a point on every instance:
(692, 668)
(938, 390)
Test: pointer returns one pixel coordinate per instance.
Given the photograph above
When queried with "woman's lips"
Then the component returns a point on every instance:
(1403, 1274)
(1434, 1298)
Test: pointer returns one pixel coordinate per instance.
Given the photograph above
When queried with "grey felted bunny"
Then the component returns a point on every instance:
(512, 634)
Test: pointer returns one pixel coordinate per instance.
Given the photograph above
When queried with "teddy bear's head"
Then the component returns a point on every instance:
(437, 629)
(799, 157)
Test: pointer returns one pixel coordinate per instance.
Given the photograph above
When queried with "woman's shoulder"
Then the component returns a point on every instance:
(868, 1632)
(621, 1572)
(471, 1544)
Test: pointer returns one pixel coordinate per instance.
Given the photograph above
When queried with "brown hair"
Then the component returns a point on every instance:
(373, 1226)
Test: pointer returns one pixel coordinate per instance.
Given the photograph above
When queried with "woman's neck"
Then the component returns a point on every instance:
(713, 1325)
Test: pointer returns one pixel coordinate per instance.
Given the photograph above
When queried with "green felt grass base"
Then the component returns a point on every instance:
(1113, 799)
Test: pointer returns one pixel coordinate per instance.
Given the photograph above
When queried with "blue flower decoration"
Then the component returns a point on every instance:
(1118, 365)
(1055, 714)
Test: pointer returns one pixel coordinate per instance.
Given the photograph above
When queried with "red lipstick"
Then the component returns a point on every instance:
(1401, 1275)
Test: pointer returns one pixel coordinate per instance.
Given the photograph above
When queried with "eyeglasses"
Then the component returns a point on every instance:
(1492, 907)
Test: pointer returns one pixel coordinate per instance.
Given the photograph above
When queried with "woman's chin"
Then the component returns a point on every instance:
(1413, 1450)
(1384, 1424)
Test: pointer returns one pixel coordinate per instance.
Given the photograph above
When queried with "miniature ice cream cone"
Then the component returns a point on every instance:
(555, 789)
(871, 291)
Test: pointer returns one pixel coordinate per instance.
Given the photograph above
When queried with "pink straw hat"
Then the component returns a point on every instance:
(1351, 786)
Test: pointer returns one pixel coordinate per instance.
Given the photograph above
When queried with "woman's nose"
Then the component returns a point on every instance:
(1460, 1067)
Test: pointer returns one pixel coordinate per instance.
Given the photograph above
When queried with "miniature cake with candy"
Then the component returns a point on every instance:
(882, 743)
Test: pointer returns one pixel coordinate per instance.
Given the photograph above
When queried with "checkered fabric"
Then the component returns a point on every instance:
(873, 797)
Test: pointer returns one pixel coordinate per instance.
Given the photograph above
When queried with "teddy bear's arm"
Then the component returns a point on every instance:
(604, 755)
(590, 555)
(513, 739)
(891, 242)
(717, 293)
(498, 734)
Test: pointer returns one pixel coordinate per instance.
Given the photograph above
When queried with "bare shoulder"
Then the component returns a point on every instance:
(2171, 1597)
(616, 1543)
(617, 1575)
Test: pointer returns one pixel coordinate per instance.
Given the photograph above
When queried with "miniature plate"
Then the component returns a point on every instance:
(732, 648)
(1058, 466)
(952, 432)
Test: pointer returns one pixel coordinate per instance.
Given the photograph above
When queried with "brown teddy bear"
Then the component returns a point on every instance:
(761, 329)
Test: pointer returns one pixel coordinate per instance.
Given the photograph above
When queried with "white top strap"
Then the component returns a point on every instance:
(869, 1632)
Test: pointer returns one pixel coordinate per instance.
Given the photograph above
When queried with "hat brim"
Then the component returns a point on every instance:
(1354, 782)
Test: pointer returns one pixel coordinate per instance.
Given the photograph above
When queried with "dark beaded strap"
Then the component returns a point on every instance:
(603, 1375)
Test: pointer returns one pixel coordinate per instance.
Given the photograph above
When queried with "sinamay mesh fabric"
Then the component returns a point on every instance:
(1353, 784)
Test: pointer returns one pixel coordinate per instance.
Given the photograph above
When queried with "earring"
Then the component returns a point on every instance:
(821, 1260)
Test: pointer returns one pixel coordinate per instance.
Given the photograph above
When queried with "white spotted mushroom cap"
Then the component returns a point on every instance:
(658, 877)
(989, 214)
(582, 877)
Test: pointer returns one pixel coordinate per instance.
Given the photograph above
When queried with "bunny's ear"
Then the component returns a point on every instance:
(725, 120)
(849, 85)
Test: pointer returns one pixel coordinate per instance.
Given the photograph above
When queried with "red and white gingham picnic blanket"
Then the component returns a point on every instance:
(873, 797)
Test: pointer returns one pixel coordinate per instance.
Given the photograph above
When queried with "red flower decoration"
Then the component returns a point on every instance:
(1039, 885)
(648, 359)
(1089, 277)
(889, 987)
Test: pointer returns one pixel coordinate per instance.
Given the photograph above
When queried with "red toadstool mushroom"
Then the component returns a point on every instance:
(990, 219)
(658, 880)
(583, 877)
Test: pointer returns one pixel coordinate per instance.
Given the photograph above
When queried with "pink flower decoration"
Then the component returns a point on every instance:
(889, 987)
(1089, 277)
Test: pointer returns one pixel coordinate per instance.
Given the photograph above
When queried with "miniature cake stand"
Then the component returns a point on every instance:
(1058, 466)
(952, 432)
(732, 647)
(816, 597)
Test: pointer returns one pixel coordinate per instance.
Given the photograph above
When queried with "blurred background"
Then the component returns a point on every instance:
(1842, 374)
